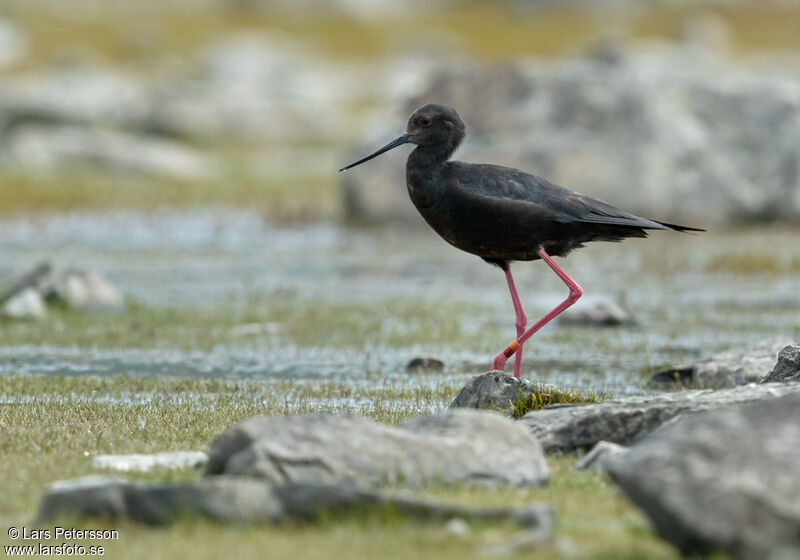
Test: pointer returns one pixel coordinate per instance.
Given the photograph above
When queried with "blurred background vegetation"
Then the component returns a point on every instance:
(189, 150)
(109, 104)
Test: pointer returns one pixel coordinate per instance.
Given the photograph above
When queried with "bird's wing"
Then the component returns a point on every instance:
(553, 201)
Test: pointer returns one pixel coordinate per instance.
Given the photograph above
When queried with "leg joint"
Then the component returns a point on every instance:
(513, 347)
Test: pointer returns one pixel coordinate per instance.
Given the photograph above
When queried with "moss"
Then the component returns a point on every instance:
(647, 371)
(546, 395)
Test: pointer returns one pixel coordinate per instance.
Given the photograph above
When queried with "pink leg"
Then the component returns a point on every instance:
(575, 292)
(522, 320)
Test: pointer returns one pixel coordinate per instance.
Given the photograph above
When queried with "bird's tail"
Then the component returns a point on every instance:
(676, 227)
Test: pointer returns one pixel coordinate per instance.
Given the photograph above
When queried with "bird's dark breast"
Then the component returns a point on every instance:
(499, 231)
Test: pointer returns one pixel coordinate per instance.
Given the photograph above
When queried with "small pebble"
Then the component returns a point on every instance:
(425, 365)
(458, 527)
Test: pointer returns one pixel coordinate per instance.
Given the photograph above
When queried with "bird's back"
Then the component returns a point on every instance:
(504, 214)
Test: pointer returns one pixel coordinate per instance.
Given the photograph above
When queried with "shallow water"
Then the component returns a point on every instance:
(684, 305)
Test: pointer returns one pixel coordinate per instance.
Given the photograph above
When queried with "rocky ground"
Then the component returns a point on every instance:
(713, 470)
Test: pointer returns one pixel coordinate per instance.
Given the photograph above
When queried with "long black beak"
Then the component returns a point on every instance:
(393, 144)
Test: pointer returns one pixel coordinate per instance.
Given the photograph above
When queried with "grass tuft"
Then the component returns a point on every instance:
(547, 395)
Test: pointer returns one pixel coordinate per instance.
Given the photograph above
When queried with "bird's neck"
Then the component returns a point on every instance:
(423, 168)
(428, 157)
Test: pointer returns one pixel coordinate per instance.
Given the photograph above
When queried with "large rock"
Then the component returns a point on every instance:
(251, 86)
(256, 86)
(722, 480)
(567, 428)
(225, 499)
(48, 146)
(73, 95)
(788, 367)
(456, 446)
(242, 500)
(728, 368)
(649, 130)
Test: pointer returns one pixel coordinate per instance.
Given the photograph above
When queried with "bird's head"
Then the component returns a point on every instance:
(434, 127)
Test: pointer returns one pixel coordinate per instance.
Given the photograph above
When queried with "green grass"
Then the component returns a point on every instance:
(54, 420)
(53, 436)
(144, 30)
(91, 189)
(546, 395)
(754, 263)
(395, 323)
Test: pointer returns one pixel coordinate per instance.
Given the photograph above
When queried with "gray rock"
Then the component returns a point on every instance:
(30, 279)
(729, 368)
(90, 496)
(171, 460)
(249, 86)
(424, 365)
(76, 287)
(242, 500)
(227, 499)
(597, 313)
(13, 43)
(257, 86)
(84, 289)
(724, 480)
(368, 10)
(379, 198)
(494, 390)
(231, 500)
(520, 542)
(788, 367)
(73, 95)
(50, 146)
(706, 29)
(306, 501)
(600, 454)
(457, 446)
(457, 527)
(648, 129)
(567, 428)
(25, 304)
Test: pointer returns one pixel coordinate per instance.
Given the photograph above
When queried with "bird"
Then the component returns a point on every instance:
(502, 214)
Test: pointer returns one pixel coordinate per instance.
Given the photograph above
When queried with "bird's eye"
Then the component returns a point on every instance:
(425, 121)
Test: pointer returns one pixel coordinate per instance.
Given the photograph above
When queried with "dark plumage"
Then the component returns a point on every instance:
(499, 213)
(503, 214)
